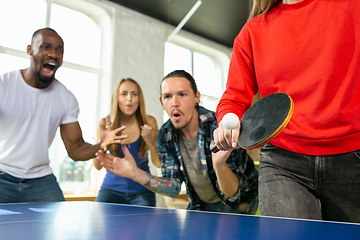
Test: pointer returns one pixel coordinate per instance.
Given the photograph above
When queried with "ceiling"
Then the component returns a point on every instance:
(217, 20)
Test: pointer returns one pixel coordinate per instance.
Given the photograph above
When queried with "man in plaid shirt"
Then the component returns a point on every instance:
(226, 181)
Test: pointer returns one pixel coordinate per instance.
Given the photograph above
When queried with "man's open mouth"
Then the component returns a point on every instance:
(176, 116)
(49, 69)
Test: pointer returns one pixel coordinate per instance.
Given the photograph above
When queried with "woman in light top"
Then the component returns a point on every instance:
(138, 131)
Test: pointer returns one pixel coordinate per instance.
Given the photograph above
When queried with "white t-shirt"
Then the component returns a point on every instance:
(29, 118)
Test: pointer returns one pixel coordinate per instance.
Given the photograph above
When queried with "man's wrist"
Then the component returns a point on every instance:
(101, 145)
(139, 176)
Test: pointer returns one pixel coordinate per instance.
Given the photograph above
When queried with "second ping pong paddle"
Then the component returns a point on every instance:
(264, 121)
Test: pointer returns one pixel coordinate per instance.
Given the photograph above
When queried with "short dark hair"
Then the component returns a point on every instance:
(39, 30)
(183, 74)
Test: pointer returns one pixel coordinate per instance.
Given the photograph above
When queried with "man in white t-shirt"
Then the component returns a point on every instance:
(33, 104)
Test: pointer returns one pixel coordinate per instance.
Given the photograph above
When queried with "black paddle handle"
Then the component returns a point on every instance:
(213, 147)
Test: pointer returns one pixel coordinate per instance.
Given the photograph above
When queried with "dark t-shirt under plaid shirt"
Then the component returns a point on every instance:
(173, 165)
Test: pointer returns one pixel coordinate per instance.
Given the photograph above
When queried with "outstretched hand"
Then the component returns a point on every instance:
(123, 167)
(109, 136)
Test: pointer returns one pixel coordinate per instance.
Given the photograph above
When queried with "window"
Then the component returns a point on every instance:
(83, 35)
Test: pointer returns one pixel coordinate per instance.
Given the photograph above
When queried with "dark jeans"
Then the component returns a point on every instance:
(146, 198)
(310, 187)
(18, 190)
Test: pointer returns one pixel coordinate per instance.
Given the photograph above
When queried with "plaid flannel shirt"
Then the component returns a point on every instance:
(173, 165)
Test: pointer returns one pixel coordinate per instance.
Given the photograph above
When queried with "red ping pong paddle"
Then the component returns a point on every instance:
(264, 121)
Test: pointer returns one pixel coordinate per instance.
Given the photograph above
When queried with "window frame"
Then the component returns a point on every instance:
(218, 54)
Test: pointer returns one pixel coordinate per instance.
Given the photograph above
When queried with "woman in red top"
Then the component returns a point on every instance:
(308, 49)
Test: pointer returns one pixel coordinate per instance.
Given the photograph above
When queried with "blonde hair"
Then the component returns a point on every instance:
(115, 118)
(262, 6)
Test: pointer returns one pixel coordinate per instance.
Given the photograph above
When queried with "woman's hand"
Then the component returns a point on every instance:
(108, 136)
(147, 133)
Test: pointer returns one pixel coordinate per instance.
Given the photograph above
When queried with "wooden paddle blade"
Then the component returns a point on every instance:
(265, 120)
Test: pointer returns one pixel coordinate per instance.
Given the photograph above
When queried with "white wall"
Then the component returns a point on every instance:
(139, 54)
(138, 51)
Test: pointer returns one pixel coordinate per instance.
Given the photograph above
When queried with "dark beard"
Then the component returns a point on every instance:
(43, 81)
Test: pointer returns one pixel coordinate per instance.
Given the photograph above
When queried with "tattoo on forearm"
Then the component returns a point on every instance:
(161, 185)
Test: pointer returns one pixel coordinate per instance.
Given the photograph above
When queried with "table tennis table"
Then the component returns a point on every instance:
(105, 221)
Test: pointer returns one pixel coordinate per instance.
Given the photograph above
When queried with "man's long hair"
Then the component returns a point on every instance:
(183, 74)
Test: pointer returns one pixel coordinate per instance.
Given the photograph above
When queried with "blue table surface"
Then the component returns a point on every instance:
(91, 220)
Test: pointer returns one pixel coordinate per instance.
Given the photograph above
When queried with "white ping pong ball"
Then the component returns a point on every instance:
(230, 121)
